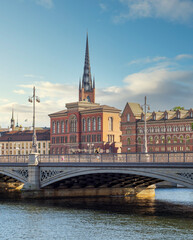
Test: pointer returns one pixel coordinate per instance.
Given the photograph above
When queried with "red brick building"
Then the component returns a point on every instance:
(168, 131)
(85, 126)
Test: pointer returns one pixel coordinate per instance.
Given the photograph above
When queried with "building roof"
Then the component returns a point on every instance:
(25, 135)
(84, 107)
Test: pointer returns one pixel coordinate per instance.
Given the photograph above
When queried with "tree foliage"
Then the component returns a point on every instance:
(177, 108)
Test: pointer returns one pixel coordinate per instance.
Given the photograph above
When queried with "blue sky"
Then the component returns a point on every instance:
(137, 48)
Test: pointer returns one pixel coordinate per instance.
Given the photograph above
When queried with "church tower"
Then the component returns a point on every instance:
(87, 85)
(12, 120)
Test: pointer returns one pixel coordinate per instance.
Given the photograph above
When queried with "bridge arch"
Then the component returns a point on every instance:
(138, 177)
(14, 174)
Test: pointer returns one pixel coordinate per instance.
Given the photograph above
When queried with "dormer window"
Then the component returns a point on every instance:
(178, 114)
(166, 115)
(142, 117)
(191, 114)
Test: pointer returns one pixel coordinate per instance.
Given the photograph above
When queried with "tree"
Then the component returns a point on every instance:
(177, 108)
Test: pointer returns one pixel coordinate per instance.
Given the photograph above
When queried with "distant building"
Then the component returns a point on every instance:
(168, 131)
(20, 142)
(85, 126)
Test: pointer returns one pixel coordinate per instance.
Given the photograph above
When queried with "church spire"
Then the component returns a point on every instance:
(87, 90)
(12, 120)
(87, 80)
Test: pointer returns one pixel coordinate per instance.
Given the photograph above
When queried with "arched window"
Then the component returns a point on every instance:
(66, 126)
(83, 125)
(99, 123)
(73, 124)
(62, 126)
(181, 139)
(156, 140)
(162, 139)
(168, 139)
(58, 127)
(175, 139)
(151, 140)
(139, 140)
(110, 124)
(128, 117)
(94, 124)
(128, 141)
(187, 139)
(88, 125)
(53, 127)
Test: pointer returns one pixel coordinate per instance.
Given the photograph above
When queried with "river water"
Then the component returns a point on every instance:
(168, 216)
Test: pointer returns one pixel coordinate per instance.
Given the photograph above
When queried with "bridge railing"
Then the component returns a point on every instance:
(14, 158)
(180, 157)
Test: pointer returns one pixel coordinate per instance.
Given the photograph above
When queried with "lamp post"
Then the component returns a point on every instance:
(34, 99)
(90, 147)
(145, 124)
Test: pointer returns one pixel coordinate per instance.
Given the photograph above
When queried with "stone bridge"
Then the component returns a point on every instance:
(94, 175)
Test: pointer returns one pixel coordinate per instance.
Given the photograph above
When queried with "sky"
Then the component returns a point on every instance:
(137, 48)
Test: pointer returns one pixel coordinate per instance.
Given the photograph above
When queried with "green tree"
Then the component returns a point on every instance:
(177, 108)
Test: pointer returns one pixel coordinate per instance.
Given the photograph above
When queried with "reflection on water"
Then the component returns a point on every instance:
(168, 216)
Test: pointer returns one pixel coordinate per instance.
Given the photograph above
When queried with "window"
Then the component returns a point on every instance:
(73, 124)
(53, 140)
(93, 138)
(88, 125)
(110, 138)
(162, 139)
(62, 126)
(53, 127)
(62, 139)
(66, 126)
(128, 131)
(66, 139)
(88, 138)
(57, 140)
(128, 117)
(151, 140)
(94, 124)
(168, 139)
(181, 139)
(187, 139)
(58, 127)
(83, 125)
(128, 141)
(98, 138)
(110, 124)
(175, 139)
(83, 138)
(156, 140)
(99, 123)
(73, 139)
(139, 140)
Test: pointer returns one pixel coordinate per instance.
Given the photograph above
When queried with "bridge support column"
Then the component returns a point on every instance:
(33, 173)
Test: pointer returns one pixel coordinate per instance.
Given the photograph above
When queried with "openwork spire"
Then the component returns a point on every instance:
(87, 80)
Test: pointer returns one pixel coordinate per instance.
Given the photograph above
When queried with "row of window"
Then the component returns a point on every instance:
(73, 139)
(165, 129)
(162, 140)
(61, 127)
(21, 145)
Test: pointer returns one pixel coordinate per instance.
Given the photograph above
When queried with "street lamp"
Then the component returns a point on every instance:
(145, 124)
(34, 99)
(90, 147)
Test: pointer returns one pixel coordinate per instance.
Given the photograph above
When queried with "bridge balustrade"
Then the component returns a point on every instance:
(179, 157)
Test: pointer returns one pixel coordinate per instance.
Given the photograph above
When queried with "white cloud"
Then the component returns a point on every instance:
(184, 56)
(45, 3)
(21, 91)
(173, 10)
(147, 60)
